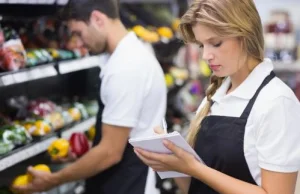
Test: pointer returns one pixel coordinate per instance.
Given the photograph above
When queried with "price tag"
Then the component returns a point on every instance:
(20, 77)
(92, 62)
(67, 67)
(7, 80)
(50, 2)
(49, 71)
(35, 74)
(62, 2)
(13, 1)
(41, 1)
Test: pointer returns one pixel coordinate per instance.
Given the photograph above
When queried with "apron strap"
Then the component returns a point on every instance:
(249, 106)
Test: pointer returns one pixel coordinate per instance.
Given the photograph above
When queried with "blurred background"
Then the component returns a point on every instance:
(48, 80)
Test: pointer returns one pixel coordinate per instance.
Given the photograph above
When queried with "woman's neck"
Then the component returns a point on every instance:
(242, 74)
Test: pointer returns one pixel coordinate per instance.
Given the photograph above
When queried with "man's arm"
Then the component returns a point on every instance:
(107, 153)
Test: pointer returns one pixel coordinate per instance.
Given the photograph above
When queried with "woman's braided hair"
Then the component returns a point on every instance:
(226, 18)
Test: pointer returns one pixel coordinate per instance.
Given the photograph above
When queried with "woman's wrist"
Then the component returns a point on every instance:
(196, 168)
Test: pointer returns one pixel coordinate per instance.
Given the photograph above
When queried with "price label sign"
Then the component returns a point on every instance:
(62, 2)
(35, 74)
(20, 77)
(49, 71)
(32, 1)
(7, 80)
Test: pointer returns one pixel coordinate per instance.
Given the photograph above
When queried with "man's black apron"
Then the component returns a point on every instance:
(220, 143)
(127, 177)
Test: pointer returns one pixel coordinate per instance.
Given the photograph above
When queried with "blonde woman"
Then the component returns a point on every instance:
(247, 128)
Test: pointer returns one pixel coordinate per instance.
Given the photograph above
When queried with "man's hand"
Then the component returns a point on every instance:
(41, 181)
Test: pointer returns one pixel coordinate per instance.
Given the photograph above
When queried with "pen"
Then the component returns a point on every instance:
(164, 125)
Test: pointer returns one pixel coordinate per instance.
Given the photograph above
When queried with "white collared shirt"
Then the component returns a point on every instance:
(133, 88)
(133, 91)
(272, 135)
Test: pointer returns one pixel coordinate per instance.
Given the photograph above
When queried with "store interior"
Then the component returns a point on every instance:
(48, 79)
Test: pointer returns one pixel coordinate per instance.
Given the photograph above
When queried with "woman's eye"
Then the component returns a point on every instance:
(218, 45)
(201, 46)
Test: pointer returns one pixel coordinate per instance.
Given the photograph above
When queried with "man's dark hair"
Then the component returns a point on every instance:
(81, 9)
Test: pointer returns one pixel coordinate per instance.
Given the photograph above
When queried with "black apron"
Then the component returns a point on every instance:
(127, 177)
(220, 143)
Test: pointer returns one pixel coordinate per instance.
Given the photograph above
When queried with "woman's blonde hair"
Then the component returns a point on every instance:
(227, 18)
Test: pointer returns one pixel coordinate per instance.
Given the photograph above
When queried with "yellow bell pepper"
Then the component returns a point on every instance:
(165, 32)
(21, 180)
(59, 148)
(39, 167)
(42, 167)
(91, 133)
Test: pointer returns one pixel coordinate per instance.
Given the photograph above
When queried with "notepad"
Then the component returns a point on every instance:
(155, 144)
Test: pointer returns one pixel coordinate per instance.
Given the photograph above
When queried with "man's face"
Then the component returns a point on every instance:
(92, 37)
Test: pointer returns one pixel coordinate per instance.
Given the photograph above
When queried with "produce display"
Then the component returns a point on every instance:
(27, 122)
(26, 119)
(42, 42)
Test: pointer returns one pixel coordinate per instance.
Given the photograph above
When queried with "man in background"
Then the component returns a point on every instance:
(132, 101)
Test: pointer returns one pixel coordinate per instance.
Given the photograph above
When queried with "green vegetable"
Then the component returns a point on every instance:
(15, 134)
(82, 109)
(92, 107)
(5, 147)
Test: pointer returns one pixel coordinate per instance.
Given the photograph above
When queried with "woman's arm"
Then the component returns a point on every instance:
(183, 184)
(272, 182)
(184, 162)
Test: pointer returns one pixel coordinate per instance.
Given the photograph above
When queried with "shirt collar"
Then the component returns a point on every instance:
(123, 45)
(247, 89)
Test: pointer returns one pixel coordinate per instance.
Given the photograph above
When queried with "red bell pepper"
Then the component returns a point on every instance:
(79, 144)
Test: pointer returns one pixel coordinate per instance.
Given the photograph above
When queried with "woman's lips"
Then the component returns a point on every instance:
(215, 67)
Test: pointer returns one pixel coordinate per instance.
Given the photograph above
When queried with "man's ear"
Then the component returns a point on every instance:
(98, 18)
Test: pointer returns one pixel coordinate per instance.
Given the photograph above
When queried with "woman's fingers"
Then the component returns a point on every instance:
(158, 130)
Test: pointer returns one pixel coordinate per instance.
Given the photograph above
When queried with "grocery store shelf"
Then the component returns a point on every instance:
(36, 147)
(43, 71)
(34, 2)
(146, 1)
(287, 67)
(26, 153)
(81, 127)
(79, 64)
(64, 2)
(49, 70)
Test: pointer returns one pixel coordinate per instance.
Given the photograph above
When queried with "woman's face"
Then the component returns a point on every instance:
(224, 55)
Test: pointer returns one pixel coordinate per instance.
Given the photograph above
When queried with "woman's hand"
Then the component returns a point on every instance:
(180, 160)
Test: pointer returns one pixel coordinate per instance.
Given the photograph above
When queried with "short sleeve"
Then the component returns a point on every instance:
(122, 96)
(278, 137)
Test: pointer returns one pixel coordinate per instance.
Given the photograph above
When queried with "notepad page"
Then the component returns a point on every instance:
(155, 144)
